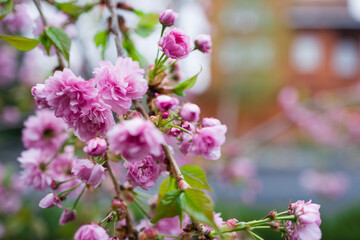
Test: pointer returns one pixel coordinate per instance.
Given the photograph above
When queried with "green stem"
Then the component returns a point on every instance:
(78, 198)
(255, 235)
(69, 190)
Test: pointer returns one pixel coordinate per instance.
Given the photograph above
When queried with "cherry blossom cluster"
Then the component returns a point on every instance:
(85, 130)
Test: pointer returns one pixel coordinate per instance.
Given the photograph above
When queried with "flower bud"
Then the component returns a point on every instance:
(183, 185)
(95, 147)
(165, 103)
(190, 112)
(165, 115)
(175, 44)
(203, 43)
(68, 215)
(50, 200)
(168, 17)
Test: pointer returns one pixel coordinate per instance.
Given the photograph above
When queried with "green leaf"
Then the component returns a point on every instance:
(168, 185)
(146, 25)
(46, 42)
(101, 39)
(21, 43)
(169, 206)
(6, 8)
(181, 87)
(72, 9)
(195, 177)
(60, 40)
(198, 205)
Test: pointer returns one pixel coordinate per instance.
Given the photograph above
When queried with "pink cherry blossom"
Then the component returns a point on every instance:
(93, 121)
(121, 83)
(208, 140)
(307, 224)
(33, 163)
(144, 172)
(91, 231)
(69, 95)
(44, 131)
(175, 44)
(168, 17)
(88, 171)
(135, 139)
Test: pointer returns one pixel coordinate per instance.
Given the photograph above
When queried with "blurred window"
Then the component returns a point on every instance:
(306, 53)
(345, 58)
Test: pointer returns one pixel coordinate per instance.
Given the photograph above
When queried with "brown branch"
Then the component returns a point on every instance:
(173, 164)
(115, 26)
(113, 178)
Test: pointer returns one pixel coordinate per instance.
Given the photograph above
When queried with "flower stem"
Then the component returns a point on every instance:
(78, 198)
(182, 129)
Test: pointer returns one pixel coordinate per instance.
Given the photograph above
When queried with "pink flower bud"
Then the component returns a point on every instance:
(88, 171)
(168, 17)
(50, 200)
(190, 112)
(91, 231)
(68, 215)
(203, 43)
(165, 103)
(175, 44)
(165, 115)
(183, 185)
(95, 147)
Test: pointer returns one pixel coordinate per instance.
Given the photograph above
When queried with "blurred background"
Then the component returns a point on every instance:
(283, 75)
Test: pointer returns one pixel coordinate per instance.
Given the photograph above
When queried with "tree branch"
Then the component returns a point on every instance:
(115, 26)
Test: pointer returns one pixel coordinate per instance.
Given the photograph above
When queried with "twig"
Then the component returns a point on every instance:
(115, 26)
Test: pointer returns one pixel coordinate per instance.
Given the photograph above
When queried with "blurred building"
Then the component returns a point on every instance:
(324, 45)
(261, 45)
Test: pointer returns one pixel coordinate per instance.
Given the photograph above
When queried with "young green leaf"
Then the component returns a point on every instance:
(169, 206)
(195, 177)
(46, 42)
(146, 25)
(21, 43)
(101, 39)
(72, 9)
(198, 205)
(6, 8)
(181, 87)
(60, 40)
(168, 185)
